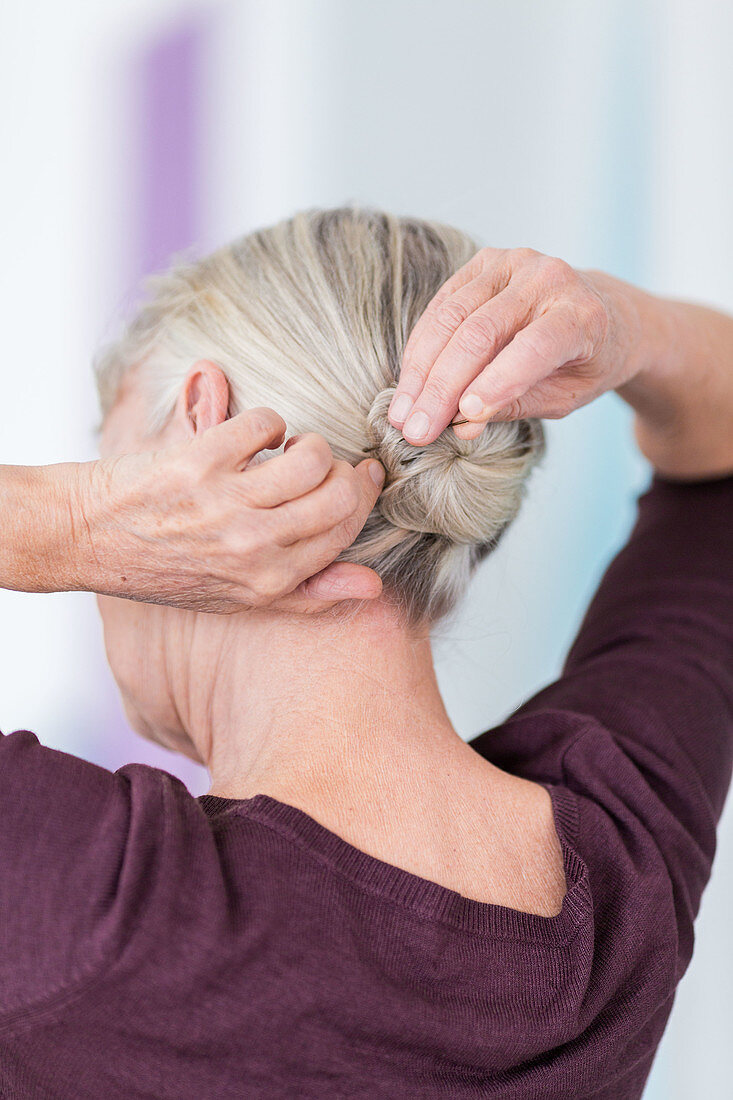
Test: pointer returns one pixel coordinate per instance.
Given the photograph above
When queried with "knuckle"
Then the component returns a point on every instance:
(261, 420)
(580, 337)
(597, 320)
(558, 270)
(539, 344)
(315, 443)
(524, 254)
(344, 496)
(560, 407)
(437, 300)
(412, 380)
(512, 409)
(265, 531)
(249, 544)
(315, 453)
(249, 490)
(477, 336)
(346, 531)
(510, 395)
(488, 259)
(439, 392)
(268, 588)
(449, 315)
(194, 469)
(586, 348)
(254, 487)
(253, 495)
(261, 595)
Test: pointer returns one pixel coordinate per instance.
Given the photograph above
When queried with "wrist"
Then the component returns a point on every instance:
(88, 515)
(65, 535)
(638, 338)
(41, 515)
(680, 385)
(647, 340)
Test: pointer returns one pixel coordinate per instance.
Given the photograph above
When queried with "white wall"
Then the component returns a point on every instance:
(598, 132)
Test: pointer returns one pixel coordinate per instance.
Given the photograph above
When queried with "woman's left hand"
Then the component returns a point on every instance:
(515, 334)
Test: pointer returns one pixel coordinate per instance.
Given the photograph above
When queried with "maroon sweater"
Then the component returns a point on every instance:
(157, 945)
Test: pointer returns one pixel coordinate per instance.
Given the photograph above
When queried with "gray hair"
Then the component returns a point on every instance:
(310, 317)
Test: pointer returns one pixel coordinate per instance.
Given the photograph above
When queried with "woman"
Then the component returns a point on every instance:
(364, 905)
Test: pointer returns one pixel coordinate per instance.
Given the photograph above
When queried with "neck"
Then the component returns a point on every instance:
(316, 711)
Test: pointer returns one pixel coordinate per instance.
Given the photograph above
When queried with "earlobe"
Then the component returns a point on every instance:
(205, 396)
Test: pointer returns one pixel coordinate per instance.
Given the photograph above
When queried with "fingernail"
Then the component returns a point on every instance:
(471, 405)
(400, 406)
(417, 426)
(377, 473)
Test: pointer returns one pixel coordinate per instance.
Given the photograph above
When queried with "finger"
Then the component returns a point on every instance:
(343, 580)
(235, 441)
(485, 261)
(520, 409)
(466, 429)
(475, 343)
(448, 310)
(544, 346)
(338, 581)
(437, 324)
(315, 573)
(435, 329)
(554, 397)
(339, 506)
(301, 468)
(461, 278)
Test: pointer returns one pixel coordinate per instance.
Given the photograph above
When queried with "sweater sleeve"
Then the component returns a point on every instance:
(640, 723)
(91, 863)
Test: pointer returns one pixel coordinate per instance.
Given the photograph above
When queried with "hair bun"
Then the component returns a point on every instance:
(463, 490)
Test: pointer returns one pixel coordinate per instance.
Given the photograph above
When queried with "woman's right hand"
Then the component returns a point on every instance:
(205, 525)
(514, 334)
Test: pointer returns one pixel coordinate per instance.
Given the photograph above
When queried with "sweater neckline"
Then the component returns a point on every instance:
(425, 898)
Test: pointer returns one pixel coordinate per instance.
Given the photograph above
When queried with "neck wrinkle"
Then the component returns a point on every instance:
(309, 707)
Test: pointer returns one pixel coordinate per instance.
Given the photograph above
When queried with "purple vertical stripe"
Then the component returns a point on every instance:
(169, 161)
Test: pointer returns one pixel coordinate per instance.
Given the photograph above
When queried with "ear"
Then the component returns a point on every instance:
(204, 399)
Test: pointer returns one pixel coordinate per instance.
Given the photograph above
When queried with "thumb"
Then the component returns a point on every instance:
(370, 475)
(339, 581)
(342, 580)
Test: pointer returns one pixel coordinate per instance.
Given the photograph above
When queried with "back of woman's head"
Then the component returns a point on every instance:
(310, 317)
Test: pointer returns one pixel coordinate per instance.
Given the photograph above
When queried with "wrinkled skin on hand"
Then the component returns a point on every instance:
(204, 524)
(512, 334)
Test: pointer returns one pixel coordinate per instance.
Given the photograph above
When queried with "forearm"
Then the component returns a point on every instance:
(44, 543)
(682, 382)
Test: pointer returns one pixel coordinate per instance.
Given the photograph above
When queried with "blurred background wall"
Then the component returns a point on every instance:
(134, 129)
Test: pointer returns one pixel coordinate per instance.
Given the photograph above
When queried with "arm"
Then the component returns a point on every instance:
(682, 381)
(45, 544)
(190, 525)
(639, 726)
(92, 861)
